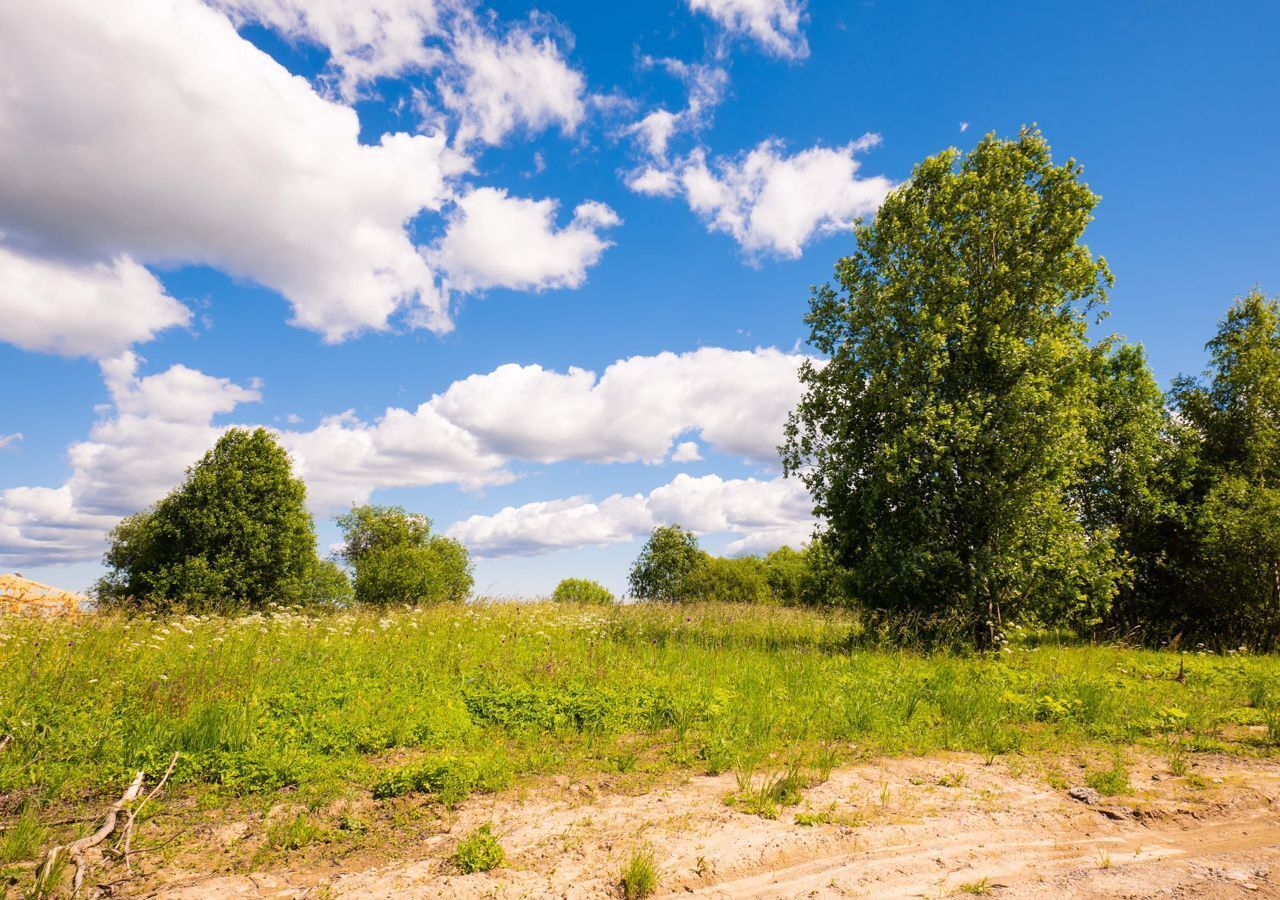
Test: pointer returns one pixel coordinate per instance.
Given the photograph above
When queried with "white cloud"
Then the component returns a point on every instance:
(366, 39)
(344, 459)
(494, 240)
(98, 309)
(706, 85)
(964, 126)
(151, 129)
(737, 401)
(686, 451)
(654, 181)
(774, 203)
(495, 85)
(774, 24)
(157, 425)
(8, 441)
(764, 514)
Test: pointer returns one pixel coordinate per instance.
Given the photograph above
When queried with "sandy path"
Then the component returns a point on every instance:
(903, 828)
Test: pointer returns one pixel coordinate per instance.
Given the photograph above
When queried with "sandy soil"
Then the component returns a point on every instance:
(928, 827)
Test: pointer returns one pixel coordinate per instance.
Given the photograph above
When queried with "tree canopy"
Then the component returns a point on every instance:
(236, 534)
(945, 438)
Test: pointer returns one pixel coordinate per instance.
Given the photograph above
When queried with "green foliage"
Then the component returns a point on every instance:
(1220, 544)
(479, 851)
(665, 565)
(1112, 781)
(640, 875)
(945, 440)
(370, 527)
(235, 535)
(742, 579)
(582, 590)
(449, 780)
(397, 560)
(22, 841)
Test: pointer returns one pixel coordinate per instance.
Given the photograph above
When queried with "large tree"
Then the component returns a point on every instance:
(236, 534)
(945, 438)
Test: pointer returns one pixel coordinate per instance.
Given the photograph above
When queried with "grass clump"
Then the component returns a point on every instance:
(639, 876)
(1112, 781)
(294, 833)
(764, 796)
(23, 840)
(479, 851)
(978, 888)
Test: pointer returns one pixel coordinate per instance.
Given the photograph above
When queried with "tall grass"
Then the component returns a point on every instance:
(477, 693)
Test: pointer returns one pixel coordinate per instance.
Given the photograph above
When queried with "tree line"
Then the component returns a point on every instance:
(978, 453)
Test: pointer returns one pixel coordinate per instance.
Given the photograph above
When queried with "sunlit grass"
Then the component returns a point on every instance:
(468, 697)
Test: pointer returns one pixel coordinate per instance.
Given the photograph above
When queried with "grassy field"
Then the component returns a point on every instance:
(447, 700)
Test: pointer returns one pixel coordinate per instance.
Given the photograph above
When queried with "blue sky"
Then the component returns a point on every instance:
(320, 216)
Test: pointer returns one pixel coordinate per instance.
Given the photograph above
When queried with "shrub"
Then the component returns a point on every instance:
(665, 564)
(398, 560)
(731, 580)
(582, 590)
(236, 534)
(479, 852)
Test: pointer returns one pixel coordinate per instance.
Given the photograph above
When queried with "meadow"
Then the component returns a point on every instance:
(447, 699)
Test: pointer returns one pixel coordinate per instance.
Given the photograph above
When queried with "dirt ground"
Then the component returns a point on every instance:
(925, 827)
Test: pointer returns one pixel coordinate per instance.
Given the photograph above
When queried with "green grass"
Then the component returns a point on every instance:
(639, 875)
(447, 700)
(479, 852)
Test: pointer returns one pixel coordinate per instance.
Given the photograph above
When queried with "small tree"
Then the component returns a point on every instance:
(235, 535)
(663, 568)
(398, 560)
(582, 590)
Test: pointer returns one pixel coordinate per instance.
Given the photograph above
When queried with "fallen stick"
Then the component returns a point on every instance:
(133, 813)
(5, 741)
(76, 849)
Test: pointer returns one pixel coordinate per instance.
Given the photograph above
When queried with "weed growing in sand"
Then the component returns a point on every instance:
(1112, 781)
(479, 851)
(765, 795)
(977, 888)
(294, 833)
(639, 876)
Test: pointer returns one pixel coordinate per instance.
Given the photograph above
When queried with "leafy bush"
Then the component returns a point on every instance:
(398, 561)
(582, 590)
(236, 534)
(742, 579)
(479, 852)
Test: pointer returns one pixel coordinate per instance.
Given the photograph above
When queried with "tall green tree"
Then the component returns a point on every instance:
(235, 535)
(945, 438)
(1231, 577)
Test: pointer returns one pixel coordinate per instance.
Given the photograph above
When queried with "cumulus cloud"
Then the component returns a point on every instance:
(764, 514)
(156, 425)
(152, 130)
(494, 240)
(686, 451)
(8, 441)
(771, 202)
(366, 39)
(496, 85)
(774, 24)
(94, 309)
(345, 459)
(737, 401)
(654, 181)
